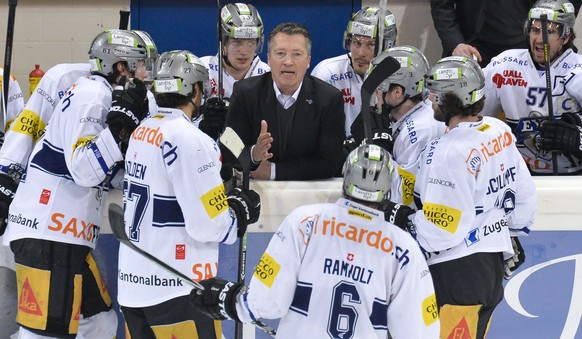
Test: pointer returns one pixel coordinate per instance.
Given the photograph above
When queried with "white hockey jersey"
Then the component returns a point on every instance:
(338, 72)
(411, 133)
(175, 209)
(211, 62)
(30, 123)
(62, 195)
(515, 86)
(475, 191)
(341, 271)
(15, 98)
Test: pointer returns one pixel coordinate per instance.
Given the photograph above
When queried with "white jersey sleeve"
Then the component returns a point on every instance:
(340, 270)
(29, 125)
(15, 99)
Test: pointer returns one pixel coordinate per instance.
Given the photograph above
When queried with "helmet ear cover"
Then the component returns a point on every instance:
(365, 22)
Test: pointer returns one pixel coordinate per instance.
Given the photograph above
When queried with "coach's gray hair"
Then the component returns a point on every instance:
(291, 28)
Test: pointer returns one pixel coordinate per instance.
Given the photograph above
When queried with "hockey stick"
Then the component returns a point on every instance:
(220, 84)
(381, 21)
(236, 146)
(544, 19)
(124, 18)
(378, 74)
(117, 223)
(7, 62)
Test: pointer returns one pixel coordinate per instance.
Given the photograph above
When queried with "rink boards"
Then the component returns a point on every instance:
(543, 300)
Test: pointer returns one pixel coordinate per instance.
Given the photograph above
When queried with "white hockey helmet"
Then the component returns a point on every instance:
(558, 11)
(134, 47)
(368, 174)
(461, 76)
(365, 22)
(242, 21)
(178, 71)
(413, 68)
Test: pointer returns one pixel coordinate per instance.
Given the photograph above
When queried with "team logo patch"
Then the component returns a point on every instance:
(215, 201)
(408, 180)
(33, 290)
(45, 196)
(267, 270)
(430, 311)
(180, 251)
(444, 217)
(29, 123)
(473, 237)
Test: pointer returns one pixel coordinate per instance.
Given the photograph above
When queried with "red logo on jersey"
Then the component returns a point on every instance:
(348, 98)
(350, 257)
(502, 167)
(180, 251)
(509, 78)
(27, 302)
(45, 196)
(461, 331)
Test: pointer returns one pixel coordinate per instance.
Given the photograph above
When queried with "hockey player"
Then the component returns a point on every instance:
(242, 38)
(476, 196)
(337, 270)
(347, 71)
(173, 191)
(406, 123)
(516, 84)
(54, 220)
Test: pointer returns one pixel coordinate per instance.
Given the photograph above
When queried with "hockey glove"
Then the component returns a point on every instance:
(397, 214)
(7, 190)
(563, 135)
(383, 138)
(247, 207)
(517, 260)
(218, 300)
(214, 120)
(129, 106)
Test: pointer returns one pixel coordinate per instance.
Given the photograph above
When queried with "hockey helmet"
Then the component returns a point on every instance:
(134, 47)
(413, 67)
(461, 76)
(178, 71)
(242, 21)
(365, 22)
(558, 11)
(368, 174)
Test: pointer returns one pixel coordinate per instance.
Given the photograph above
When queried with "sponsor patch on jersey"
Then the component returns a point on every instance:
(180, 251)
(444, 217)
(149, 135)
(45, 196)
(267, 270)
(509, 78)
(408, 180)
(430, 311)
(82, 142)
(74, 227)
(473, 237)
(28, 123)
(360, 214)
(474, 162)
(214, 201)
(33, 291)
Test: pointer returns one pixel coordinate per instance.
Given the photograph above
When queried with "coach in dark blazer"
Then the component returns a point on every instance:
(293, 120)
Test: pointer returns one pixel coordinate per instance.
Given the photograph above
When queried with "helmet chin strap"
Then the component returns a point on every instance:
(386, 108)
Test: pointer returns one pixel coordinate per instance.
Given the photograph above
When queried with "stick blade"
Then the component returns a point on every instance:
(232, 141)
(384, 69)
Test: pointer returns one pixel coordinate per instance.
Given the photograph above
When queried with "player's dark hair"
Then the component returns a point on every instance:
(453, 106)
